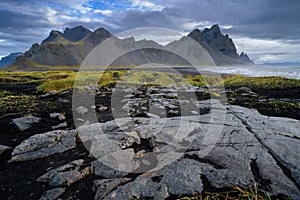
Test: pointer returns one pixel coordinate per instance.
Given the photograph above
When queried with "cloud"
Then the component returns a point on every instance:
(259, 27)
(104, 12)
(146, 5)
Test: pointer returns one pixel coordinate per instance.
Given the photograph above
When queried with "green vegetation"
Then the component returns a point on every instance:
(261, 82)
(281, 106)
(61, 80)
(233, 193)
(64, 80)
(10, 103)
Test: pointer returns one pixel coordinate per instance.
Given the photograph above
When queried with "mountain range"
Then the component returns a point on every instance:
(11, 58)
(69, 48)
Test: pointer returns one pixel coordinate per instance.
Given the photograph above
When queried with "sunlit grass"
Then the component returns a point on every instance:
(233, 193)
(64, 80)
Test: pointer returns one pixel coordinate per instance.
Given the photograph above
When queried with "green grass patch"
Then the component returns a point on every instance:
(17, 103)
(64, 80)
(234, 193)
(261, 82)
(281, 106)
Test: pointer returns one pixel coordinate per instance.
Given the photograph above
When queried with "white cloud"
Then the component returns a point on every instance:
(104, 12)
(146, 5)
(263, 50)
(192, 25)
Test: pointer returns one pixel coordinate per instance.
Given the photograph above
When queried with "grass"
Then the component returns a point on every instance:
(10, 103)
(281, 106)
(261, 82)
(234, 193)
(64, 80)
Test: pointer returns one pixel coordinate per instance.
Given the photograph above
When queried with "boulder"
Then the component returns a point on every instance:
(60, 116)
(44, 145)
(66, 174)
(105, 186)
(53, 194)
(24, 123)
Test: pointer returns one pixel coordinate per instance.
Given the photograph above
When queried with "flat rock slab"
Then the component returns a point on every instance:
(181, 177)
(44, 145)
(105, 186)
(53, 194)
(66, 174)
(24, 123)
(250, 148)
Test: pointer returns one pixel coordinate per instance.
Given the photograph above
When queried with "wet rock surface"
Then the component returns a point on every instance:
(164, 142)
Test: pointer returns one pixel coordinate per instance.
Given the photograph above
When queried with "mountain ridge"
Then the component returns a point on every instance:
(9, 59)
(72, 46)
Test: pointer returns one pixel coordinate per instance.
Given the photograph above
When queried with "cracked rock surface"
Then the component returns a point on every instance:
(161, 146)
(250, 148)
(44, 145)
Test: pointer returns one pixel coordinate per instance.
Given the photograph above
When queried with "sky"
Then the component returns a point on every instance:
(267, 30)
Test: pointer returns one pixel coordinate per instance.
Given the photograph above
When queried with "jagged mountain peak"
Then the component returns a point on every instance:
(63, 49)
(70, 34)
(76, 33)
(98, 36)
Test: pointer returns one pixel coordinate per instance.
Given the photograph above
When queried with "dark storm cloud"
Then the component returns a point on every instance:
(14, 21)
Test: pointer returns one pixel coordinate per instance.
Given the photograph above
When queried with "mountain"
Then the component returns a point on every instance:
(290, 64)
(11, 58)
(70, 48)
(220, 47)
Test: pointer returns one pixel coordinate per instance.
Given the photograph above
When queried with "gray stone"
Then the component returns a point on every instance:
(24, 123)
(60, 116)
(66, 174)
(64, 101)
(4, 148)
(53, 194)
(61, 125)
(106, 172)
(48, 94)
(152, 115)
(181, 177)
(44, 145)
(230, 145)
(105, 186)
(82, 110)
(103, 108)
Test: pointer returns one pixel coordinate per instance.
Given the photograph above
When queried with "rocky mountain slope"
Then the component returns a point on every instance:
(73, 45)
(11, 58)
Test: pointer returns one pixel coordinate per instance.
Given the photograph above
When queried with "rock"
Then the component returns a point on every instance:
(230, 145)
(60, 116)
(67, 174)
(106, 172)
(194, 112)
(64, 101)
(82, 110)
(152, 115)
(48, 94)
(24, 123)
(105, 186)
(4, 148)
(179, 178)
(44, 145)
(53, 194)
(280, 136)
(62, 125)
(103, 108)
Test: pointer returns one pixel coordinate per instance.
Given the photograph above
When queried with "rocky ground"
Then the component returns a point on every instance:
(160, 142)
